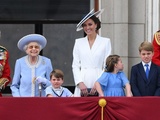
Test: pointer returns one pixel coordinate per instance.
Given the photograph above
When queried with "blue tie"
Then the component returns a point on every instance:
(147, 70)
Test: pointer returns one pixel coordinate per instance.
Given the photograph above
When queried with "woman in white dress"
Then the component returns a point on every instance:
(89, 55)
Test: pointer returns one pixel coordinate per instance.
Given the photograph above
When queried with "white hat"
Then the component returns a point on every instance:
(31, 38)
(89, 15)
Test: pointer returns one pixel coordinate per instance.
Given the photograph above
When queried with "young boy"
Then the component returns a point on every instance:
(56, 89)
(145, 76)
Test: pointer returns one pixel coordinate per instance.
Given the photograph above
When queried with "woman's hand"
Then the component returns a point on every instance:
(93, 91)
(83, 89)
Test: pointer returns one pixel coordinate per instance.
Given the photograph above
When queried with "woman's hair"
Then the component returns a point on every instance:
(110, 62)
(96, 21)
(146, 46)
(57, 73)
(25, 47)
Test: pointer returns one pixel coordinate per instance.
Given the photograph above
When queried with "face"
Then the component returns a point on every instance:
(33, 49)
(89, 27)
(56, 82)
(119, 65)
(146, 56)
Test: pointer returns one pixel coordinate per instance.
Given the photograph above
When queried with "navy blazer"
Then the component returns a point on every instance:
(140, 85)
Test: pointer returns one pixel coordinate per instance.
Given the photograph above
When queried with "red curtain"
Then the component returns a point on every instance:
(76, 108)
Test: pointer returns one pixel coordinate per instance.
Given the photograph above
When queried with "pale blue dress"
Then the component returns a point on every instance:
(113, 84)
(24, 73)
(62, 92)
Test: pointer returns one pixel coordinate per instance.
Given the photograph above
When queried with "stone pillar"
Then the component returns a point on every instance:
(115, 26)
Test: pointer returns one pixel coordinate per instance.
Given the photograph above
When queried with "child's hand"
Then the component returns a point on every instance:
(101, 95)
(129, 95)
(49, 95)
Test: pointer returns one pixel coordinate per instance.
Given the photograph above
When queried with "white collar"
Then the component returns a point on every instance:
(149, 64)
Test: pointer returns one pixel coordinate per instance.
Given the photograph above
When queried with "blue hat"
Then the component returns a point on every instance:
(89, 15)
(31, 38)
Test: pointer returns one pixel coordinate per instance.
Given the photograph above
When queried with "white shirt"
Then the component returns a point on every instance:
(149, 65)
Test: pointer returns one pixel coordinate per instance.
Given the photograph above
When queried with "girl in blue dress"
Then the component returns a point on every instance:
(113, 80)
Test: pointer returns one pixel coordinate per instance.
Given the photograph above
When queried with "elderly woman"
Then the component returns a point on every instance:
(32, 72)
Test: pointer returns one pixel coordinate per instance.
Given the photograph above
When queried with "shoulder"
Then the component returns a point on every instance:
(154, 65)
(66, 90)
(105, 74)
(103, 38)
(121, 73)
(22, 58)
(81, 39)
(49, 87)
(44, 58)
(137, 65)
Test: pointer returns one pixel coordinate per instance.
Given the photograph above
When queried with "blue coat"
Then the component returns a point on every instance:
(140, 85)
(24, 73)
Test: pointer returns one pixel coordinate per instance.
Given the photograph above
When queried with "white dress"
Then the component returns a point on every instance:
(88, 63)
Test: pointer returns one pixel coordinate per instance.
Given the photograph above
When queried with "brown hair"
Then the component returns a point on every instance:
(57, 73)
(146, 46)
(110, 62)
(96, 21)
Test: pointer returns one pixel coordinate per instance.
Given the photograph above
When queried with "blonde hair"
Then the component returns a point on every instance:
(146, 46)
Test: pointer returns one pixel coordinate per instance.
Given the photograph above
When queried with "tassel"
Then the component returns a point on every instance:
(102, 103)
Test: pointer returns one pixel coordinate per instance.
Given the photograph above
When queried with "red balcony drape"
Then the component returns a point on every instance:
(75, 108)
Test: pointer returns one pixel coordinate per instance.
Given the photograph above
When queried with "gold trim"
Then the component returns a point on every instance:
(3, 81)
(157, 37)
(102, 103)
(33, 80)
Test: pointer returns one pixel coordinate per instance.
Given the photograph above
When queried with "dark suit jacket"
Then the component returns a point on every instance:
(140, 85)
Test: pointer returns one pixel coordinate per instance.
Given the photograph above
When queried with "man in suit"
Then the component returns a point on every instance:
(4, 69)
(145, 76)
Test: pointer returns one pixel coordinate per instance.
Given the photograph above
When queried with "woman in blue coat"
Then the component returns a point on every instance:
(32, 72)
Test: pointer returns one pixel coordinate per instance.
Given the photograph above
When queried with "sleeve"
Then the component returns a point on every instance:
(103, 80)
(49, 69)
(76, 64)
(124, 79)
(48, 91)
(16, 80)
(133, 82)
(156, 56)
(6, 70)
(68, 92)
(108, 50)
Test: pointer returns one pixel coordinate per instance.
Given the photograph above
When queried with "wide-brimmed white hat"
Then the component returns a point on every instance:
(89, 15)
(31, 38)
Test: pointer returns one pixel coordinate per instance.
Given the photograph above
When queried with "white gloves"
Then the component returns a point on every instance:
(40, 79)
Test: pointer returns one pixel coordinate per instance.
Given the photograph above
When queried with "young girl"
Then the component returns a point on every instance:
(113, 81)
(56, 89)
